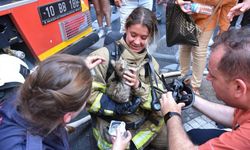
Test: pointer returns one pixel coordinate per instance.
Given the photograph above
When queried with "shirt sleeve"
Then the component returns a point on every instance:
(224, 22)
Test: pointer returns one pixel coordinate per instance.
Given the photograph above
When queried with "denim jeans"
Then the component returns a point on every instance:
(128, 6)
(159, 11)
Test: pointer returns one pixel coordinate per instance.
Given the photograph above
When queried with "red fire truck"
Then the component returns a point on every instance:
(36, 29)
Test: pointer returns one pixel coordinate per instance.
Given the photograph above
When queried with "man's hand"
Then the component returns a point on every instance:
(238, 9)
(92, 61)
(168, 104)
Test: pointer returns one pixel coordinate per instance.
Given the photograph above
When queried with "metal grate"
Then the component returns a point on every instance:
(75, 25)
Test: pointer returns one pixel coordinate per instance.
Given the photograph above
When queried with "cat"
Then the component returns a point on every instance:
(117, 89)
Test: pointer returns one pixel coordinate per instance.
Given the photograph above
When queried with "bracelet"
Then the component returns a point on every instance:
(170, 114)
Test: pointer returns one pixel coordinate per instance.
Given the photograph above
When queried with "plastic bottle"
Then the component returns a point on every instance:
(199, 8)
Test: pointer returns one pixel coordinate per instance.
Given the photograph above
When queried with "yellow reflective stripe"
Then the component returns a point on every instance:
(147, 104)
(97, 86)
(142, 137)
(102, 144)
(108, 112)
(160, 86)
(95, 107)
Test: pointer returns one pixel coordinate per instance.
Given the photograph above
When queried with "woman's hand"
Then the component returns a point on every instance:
(131, 78)
(181, 3)
(238, 9)
(92, 61)
(120, 142)
(168, 104)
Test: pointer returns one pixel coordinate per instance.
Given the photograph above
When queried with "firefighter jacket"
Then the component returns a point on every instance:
(146, 123)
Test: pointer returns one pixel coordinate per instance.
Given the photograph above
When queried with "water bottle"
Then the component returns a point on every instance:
(199, 8)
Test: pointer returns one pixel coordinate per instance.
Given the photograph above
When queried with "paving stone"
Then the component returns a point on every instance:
(210, 126)
(201, 121)
(193, 124)
(187, 127)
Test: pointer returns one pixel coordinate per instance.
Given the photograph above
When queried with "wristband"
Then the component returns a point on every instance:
(170, 114)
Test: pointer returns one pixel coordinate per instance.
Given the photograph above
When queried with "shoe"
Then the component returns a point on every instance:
(187, 82)
(159, 19)
(101, 33)
(108, 30)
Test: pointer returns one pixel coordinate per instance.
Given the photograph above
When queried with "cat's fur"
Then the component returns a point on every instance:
(117, 89)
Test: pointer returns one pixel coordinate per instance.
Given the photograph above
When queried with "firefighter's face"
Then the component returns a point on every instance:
(137, 37)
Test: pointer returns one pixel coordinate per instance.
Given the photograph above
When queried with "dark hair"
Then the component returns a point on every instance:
(235, 63)
(60, 84)
(145, 17)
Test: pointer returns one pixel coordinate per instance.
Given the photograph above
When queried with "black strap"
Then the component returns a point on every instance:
(152, 72)
(115, 50)
(155, 104)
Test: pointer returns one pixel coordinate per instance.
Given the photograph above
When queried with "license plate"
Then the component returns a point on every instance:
(57, 10)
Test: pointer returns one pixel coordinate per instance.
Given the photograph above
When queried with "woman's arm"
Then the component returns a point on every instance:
(238, 9)
(99, 74)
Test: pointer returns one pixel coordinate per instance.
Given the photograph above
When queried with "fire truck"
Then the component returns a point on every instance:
(36, 29)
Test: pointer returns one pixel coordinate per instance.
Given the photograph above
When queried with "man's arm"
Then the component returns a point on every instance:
(238, 9)
(177, 137)
(217, 112)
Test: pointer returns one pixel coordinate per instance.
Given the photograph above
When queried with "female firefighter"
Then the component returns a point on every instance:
(144, 122)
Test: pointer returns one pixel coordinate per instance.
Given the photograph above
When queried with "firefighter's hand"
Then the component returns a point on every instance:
(121, 140)
(92, 61)
(131, 78)
(238, 9)
(168, 104)
(118, 3)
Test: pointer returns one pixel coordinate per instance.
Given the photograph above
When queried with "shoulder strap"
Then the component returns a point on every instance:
(155, 104)
(115, 50)
(33, 142)
(151, 71)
